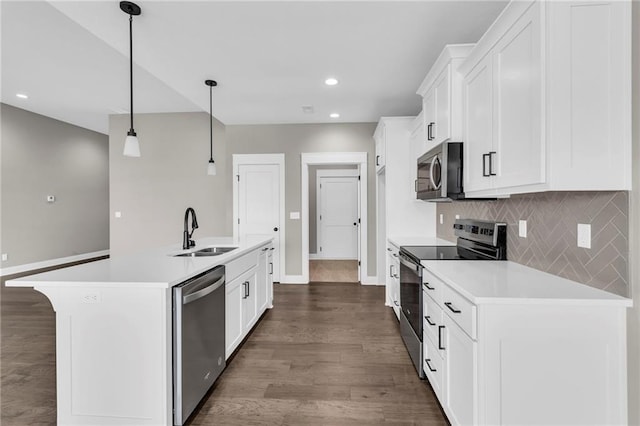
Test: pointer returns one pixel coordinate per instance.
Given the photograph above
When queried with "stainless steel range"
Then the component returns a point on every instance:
(477, 240)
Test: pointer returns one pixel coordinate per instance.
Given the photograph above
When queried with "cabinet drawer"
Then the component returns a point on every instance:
(432, 321)
(432, 286)
(242, 264)
(432, 366)
(460, 310)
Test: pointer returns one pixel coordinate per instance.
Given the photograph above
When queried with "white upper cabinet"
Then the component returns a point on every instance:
(380, 138)
(547, 100)
(441, 93)
(589, 94)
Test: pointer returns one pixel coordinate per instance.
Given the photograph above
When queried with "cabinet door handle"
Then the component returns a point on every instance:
(491, 163)
(265, 249)
(440, 328)
(244, 290)
(484, 165)
(272, 248)
(270, 268)
(427, 286)
(415, 185)
(428, 318)
(395, 276)
(433, 370)
(390, 271)
(395, 254)
(451, 308)
(377, 160)
(395, 302)
(430, 136)
(389, 249)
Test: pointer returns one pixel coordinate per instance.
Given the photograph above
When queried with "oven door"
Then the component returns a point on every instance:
(411, 292)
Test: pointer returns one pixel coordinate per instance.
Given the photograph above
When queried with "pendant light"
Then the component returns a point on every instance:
(211, 168)
(131, 145)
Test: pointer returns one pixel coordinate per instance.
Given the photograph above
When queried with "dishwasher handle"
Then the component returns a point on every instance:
(202, 293)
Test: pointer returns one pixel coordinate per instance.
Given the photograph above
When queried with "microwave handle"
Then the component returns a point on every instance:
(435, 158)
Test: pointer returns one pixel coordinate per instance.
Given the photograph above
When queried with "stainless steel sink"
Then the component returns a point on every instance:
(209, 251)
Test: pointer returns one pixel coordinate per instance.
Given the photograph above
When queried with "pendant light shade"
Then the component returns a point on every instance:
(211, 167)
(131, 144)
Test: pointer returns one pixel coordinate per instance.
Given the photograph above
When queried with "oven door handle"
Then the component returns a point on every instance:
(409, 263)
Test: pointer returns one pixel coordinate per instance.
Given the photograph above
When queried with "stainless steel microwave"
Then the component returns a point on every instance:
(440, 173)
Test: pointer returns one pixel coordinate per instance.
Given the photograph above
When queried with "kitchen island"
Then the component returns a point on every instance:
(114, 326)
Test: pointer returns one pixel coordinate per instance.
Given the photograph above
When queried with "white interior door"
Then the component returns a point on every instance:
(259, 205)
(338, 217)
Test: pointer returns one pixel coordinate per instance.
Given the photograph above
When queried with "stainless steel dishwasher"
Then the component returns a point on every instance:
(198, 339)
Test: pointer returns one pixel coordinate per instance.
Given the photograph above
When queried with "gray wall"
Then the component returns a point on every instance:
(313, 222)
(42, 156)
(293, 140)
(153, 191)
(634, 235)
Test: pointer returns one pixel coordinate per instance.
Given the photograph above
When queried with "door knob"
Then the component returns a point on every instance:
(275, 229)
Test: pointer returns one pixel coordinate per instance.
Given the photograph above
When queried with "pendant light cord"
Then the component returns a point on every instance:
(211, 122)
(131, 70)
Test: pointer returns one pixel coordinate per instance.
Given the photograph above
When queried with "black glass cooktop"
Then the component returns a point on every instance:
(440, 253)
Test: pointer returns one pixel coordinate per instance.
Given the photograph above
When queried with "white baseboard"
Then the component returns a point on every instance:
(315, 256)
(370, 280)
(51, 262)
(293, 279)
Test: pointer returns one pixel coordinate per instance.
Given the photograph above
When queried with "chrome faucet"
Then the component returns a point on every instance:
(187, 242)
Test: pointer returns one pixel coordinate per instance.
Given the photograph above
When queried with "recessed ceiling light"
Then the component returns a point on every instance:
(331, 81)
(22, 96)
(334, 115)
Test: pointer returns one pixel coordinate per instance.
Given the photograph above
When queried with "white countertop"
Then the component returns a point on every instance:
(409, 240)
(151, 268)
(495, 282)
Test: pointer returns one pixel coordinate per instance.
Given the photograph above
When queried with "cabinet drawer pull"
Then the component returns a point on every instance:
(377, 160)
(491, 163)
(427, 286)
(395, 254)
(265, 249)
(451, 308)
(428, 318)
(396, 276)
(484, 165)
(395, 302)
(388, 249)
(433, 370)
(440, 328)
(272, 248)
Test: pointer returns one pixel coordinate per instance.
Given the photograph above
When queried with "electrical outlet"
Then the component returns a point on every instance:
(294, 215)
(522, 229)
(584, 235)
(441, 218)
(51, 198)
(5, 257)
(91, 297)
(457, 216)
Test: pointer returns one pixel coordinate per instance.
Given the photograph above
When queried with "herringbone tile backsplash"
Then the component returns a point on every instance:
(552, 219)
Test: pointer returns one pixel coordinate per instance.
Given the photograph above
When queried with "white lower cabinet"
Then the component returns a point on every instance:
(505, 362)
(393, 278)
(459, 374)
(248, 295)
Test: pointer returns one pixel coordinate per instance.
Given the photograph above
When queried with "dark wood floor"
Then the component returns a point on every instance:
(327, 354)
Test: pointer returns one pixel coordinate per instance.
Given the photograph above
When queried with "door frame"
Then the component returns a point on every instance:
(324, 173)
(335, 158)
(261, 159)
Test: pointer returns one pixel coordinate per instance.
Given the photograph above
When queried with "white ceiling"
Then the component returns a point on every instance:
(269, 58)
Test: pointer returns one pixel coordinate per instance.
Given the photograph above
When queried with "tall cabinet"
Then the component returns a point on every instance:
(398, 211)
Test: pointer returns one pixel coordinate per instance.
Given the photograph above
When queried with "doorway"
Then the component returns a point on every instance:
(258, 201)
(357, 161)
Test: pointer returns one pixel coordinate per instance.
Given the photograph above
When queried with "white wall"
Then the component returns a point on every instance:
(42, 156)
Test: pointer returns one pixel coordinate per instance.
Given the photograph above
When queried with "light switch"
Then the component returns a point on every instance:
(294, 215)
(584, 235)
(441, 218)
(457, 216)
(118, 215)
(522, 229)
(5, 257)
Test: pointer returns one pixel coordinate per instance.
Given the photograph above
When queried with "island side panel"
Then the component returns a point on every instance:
(113, 360)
